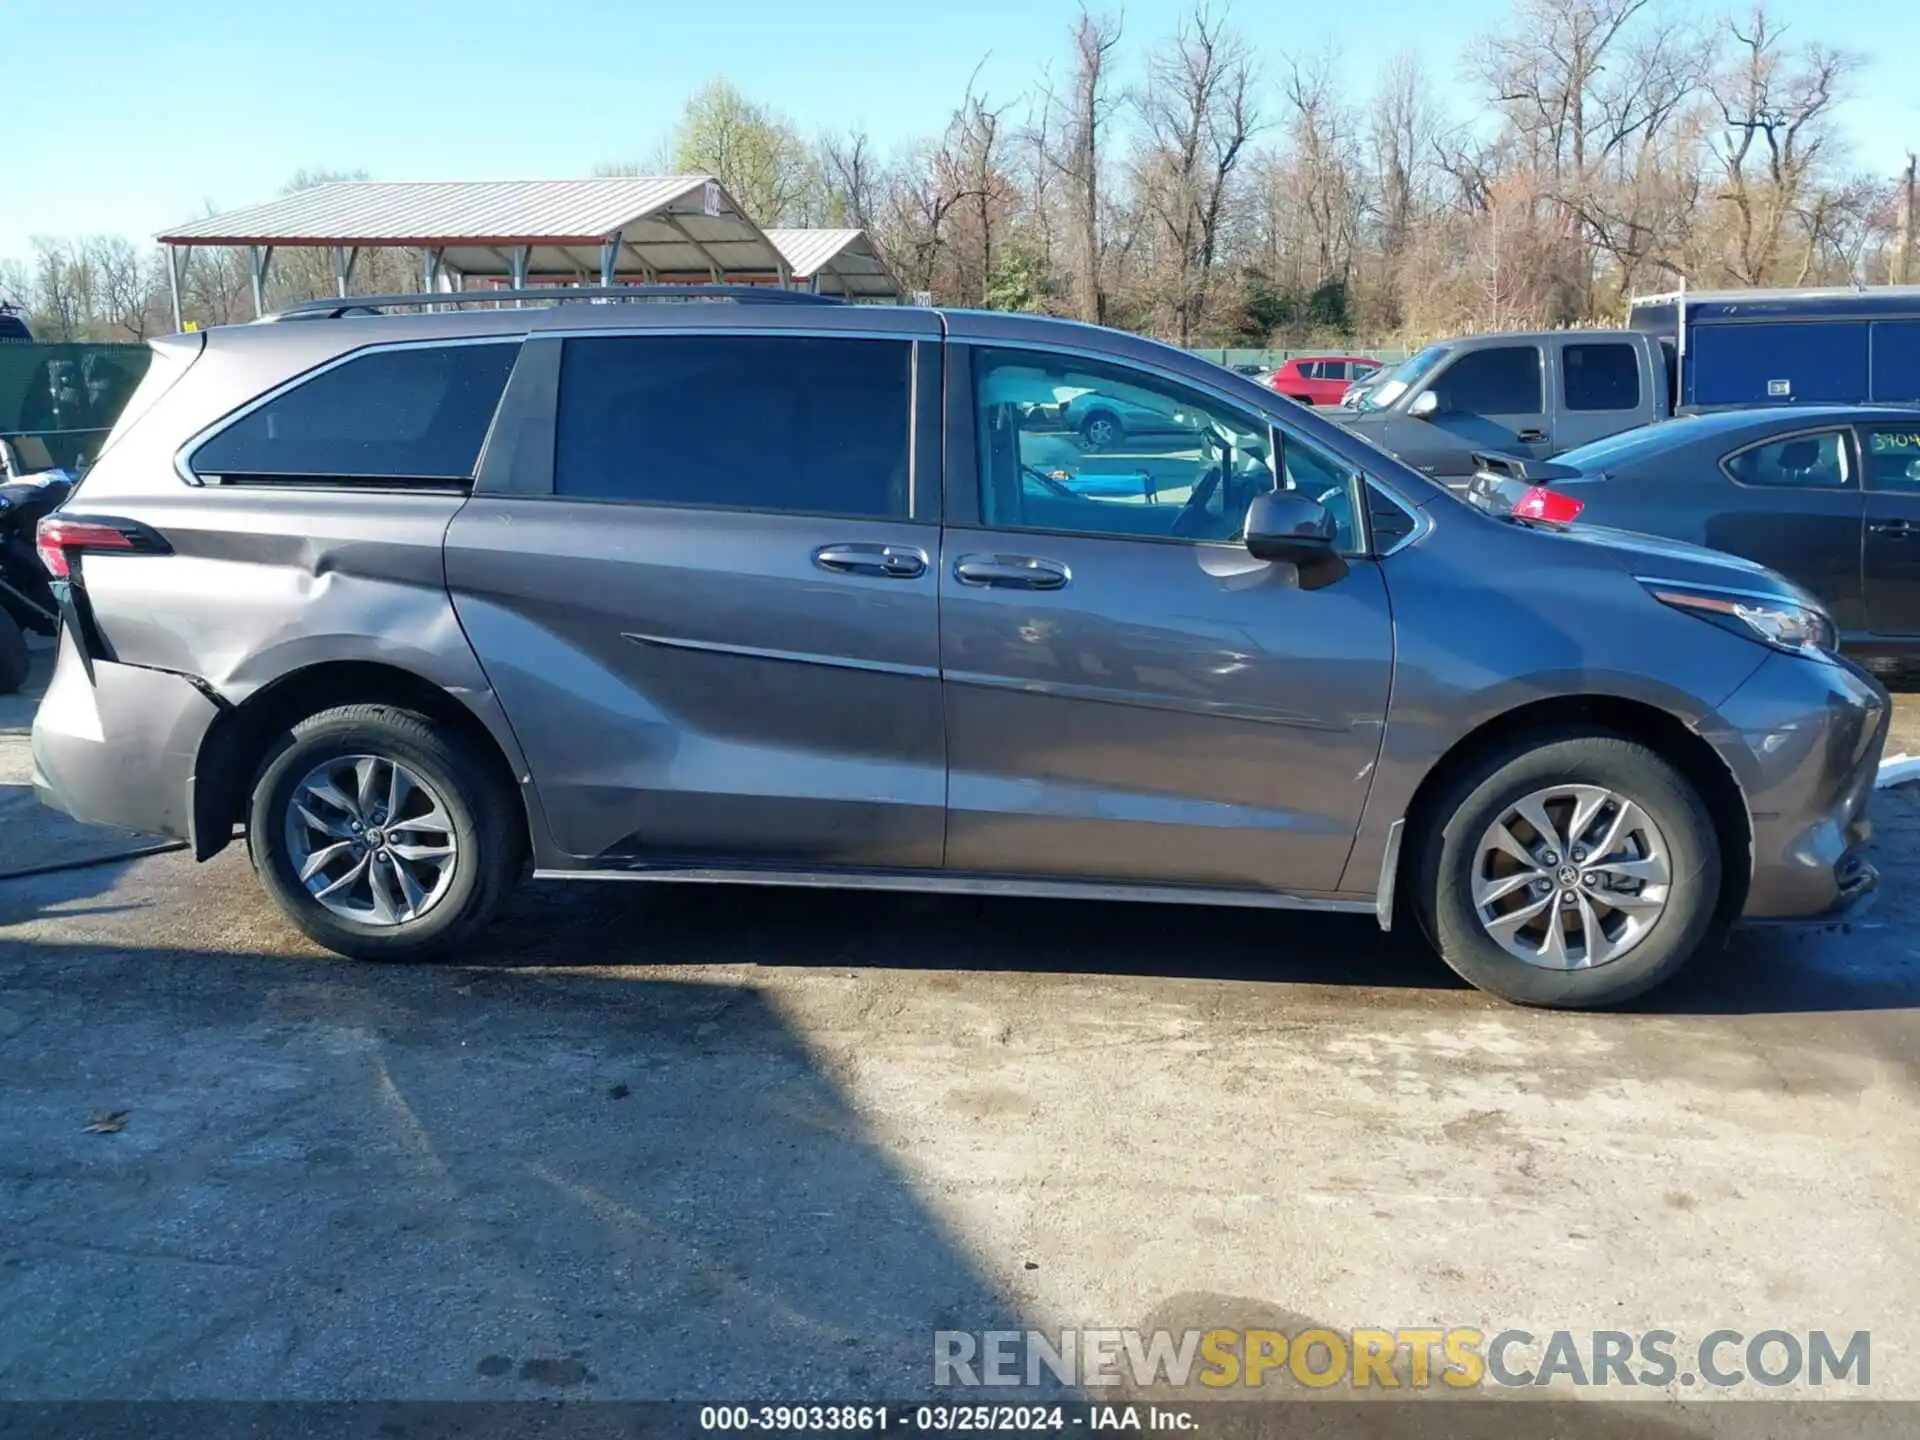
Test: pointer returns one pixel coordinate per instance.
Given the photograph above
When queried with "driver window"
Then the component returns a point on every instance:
(1077, 446)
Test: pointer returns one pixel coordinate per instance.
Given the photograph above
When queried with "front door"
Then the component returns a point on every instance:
(1130, 695)
(1492, 398)
(715, 634)
(1890, 458)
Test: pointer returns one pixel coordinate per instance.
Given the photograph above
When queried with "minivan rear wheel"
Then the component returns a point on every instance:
(1569, 869)
(380, 836)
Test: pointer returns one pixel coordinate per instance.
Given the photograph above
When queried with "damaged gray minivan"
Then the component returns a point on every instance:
(762, 588)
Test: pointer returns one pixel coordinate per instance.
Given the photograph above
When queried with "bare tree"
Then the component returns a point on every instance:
(1080, 121)
(853, 177)
(1199, 112)
(1774, 108)
(128, 284)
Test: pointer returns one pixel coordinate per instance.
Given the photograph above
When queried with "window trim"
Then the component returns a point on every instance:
(1639, 377)
(924, 379)
(1849, 481)
(183, 456)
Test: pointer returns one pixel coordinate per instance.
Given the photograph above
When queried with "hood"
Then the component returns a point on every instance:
(1658, 558)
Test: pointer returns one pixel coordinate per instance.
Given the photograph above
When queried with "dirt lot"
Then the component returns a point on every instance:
(723, 1143)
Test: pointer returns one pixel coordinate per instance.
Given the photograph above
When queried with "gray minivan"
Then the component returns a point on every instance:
(757, 588)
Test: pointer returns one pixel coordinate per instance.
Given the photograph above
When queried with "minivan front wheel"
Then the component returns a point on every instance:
(380, 836)
(1570, 870)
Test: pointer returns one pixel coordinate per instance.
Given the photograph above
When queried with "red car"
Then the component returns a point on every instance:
(1320, 379)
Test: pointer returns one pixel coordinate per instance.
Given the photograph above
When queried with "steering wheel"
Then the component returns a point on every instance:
(1052, 485)
(1193, 515)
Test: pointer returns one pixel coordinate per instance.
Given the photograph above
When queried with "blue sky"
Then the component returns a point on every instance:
(128, 115)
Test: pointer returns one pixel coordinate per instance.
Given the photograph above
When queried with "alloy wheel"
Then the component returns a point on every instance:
(371, 840)
(1571, 877)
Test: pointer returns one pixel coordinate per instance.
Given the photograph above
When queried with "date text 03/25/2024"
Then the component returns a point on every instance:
(945, 1419)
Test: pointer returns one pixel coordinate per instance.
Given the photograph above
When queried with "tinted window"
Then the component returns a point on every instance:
(761, 422)
(1816, 462)
(1092, 449)
(415, 414)
(1500, 380)
(1892, 456)
(1600, 377)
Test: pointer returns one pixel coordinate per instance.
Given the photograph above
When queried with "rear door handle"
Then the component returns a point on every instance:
(1892, 529)
(889, 562)
(1531, 437)
(1011, 572)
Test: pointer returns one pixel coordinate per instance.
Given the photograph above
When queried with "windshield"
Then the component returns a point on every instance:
(1396, 382)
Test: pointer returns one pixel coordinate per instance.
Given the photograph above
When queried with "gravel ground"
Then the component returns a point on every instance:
(651, 1143)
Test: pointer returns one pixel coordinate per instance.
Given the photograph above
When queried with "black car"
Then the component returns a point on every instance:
(1827, 495)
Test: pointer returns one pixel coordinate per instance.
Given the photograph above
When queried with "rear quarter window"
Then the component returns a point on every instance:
(1801, 462)
(413, 413)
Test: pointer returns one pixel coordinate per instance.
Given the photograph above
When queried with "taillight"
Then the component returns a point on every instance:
(59, 537)
(1540, 503)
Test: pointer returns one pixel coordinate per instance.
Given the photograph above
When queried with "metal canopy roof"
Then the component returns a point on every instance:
(667, 225)
(840, 262)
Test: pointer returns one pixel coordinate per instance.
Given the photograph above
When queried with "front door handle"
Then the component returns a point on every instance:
(1531, 437)
(1892, 529)
(889, 562)
(1011, 572)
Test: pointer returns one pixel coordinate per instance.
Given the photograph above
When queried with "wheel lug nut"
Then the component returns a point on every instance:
(1569, 897)
(1579, 854)
(1550, 858)
(381, 856)
(1541, 887)
(1590, 879)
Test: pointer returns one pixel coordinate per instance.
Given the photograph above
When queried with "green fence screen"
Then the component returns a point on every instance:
(57, 402)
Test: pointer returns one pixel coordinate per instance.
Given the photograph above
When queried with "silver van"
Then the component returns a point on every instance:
(422, 595)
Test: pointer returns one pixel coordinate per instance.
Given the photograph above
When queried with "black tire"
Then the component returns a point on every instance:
(1445, 856)
(485, 825)
(1118, 431)
(14, 660)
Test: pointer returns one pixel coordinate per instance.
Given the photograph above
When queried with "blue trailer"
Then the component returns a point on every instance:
(1783, 347)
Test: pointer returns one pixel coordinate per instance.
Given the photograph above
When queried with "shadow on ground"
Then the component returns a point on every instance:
(339, 1180)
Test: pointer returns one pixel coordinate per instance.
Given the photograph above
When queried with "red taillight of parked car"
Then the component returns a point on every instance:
(58, 538)
(1550, 506)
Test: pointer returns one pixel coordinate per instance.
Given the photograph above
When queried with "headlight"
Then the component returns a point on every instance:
(1772, 620)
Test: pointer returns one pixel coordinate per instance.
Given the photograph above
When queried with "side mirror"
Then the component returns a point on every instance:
(1424, 405)
(1283, 525)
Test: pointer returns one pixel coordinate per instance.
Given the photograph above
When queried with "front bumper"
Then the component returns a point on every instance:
(1804, 739)
(120, 750)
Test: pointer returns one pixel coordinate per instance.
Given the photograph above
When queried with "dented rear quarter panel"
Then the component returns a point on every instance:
(267, 581)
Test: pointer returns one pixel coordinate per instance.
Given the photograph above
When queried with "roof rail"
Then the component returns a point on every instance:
(333, 309)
